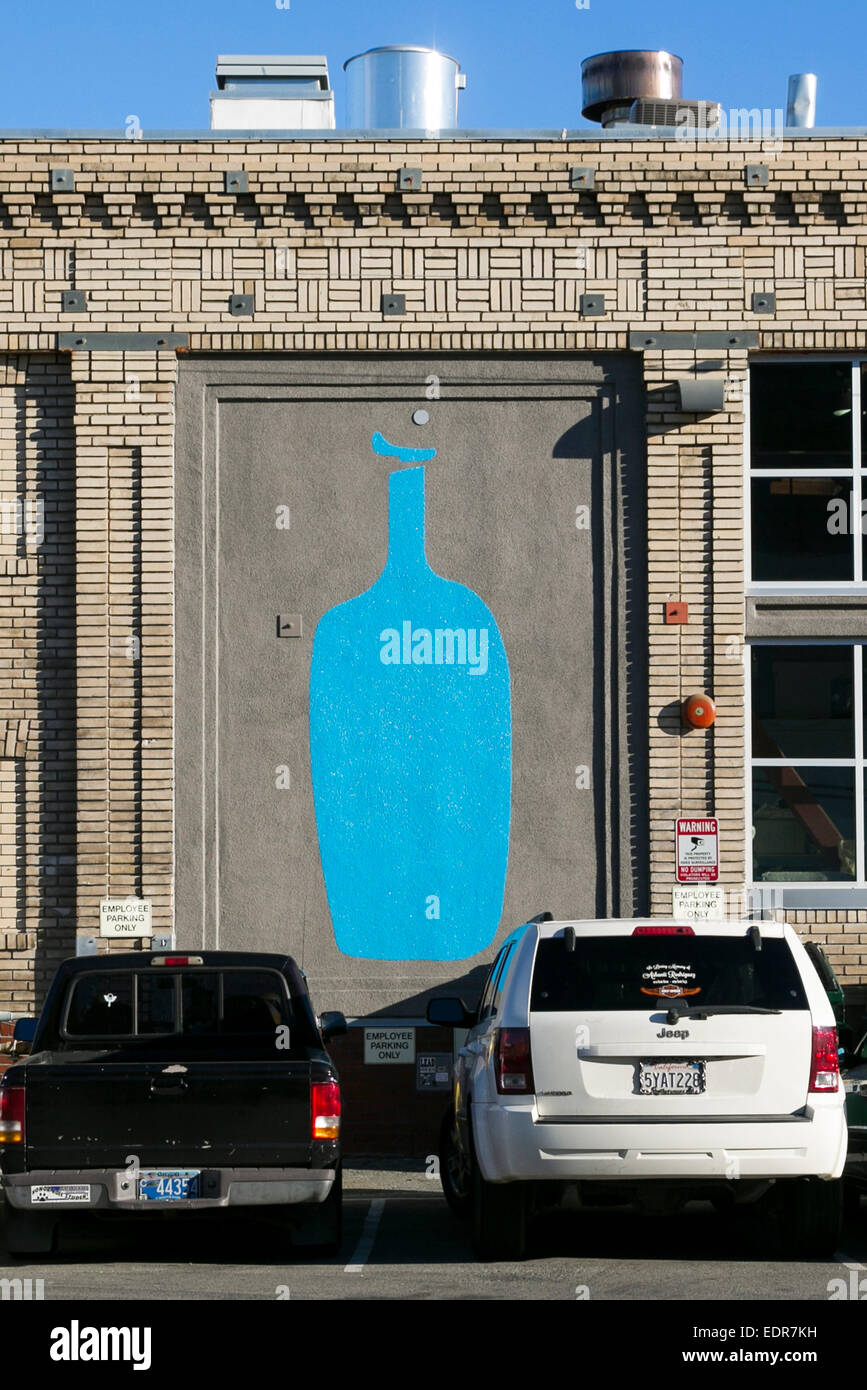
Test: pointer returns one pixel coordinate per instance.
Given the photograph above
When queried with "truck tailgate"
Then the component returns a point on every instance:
(94, 1113)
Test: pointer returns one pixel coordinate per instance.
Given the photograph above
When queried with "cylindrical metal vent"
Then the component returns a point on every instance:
(611, 82)
(801, 104)
(402, 87)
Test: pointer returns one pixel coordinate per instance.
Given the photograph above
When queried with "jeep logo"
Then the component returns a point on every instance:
(673, 1033)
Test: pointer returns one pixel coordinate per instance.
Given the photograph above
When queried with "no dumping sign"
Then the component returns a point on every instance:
(697, 850)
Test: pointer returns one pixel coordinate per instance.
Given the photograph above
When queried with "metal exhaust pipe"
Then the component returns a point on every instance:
(801, 102)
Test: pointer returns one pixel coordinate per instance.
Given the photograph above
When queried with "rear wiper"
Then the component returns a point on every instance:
(705, 1010)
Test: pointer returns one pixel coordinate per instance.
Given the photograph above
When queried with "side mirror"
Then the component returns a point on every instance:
(332, 1024)
(449, 1013)
(23, 1035)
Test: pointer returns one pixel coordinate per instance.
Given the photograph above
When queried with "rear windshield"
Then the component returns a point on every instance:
(640, 972)
(206, 1004)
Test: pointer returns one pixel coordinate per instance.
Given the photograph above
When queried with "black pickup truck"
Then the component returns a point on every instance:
(170, 1083)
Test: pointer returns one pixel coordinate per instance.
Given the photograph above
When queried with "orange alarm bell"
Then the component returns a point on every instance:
(699, 711)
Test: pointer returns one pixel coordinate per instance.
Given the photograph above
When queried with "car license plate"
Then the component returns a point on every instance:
(169, 1184)
(671, 1078)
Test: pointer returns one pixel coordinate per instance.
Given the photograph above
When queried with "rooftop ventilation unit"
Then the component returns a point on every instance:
(611, 82)
(402, 87)
(801, 102)
(272, 93)
(690, 115)
(641, 86)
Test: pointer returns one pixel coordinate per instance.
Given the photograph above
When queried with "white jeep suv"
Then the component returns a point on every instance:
(647, 1062)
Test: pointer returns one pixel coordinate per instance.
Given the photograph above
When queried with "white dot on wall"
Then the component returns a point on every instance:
(420, 417)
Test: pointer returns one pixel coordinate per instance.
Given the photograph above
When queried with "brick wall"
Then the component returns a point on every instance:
(492, 255)
(384, 1113)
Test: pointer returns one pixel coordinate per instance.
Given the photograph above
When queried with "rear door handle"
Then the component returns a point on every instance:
(168, 1086)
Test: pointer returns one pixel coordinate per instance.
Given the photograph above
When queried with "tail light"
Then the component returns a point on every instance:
(11, 1114)
(825, 1066)
(325, 1122)
(513, 1067)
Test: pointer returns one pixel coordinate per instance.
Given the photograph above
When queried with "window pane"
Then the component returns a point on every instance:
(101, 1005)
(802, 529)
(804, 824)
(610, 974)
(156, 1003)
(803, 702)
(200, 1003)
(253, 1002)
(801, 415)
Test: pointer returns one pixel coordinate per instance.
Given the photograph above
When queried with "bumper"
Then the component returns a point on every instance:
(512, 1145)
(111, 1190)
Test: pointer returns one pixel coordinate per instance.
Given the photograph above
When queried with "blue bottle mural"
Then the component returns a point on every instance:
(410, 744)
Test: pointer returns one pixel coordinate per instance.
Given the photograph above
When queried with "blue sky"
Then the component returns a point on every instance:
(91, 63)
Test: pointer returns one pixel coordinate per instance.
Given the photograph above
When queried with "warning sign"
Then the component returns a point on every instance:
(697, 851)
(433, 1071)
(385, 1045)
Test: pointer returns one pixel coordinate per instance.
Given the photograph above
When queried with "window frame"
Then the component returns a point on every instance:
(828, 894)
(485, 1009)
(824, 887)
(858, 473)
(175, 973)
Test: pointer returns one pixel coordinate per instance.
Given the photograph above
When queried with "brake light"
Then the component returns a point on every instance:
(11, 1114)
(325, 1107)
(177, 960)
(663, 931)
(825, 1067)
(513, 1067)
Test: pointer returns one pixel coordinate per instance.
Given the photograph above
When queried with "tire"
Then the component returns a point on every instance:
(456, 1169)
(807, 1214)
(851, 1202)
(322, 1225)
(30, 1232)
(499, 1218)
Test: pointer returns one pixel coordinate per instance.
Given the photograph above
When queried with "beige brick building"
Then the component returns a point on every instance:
(139, 238)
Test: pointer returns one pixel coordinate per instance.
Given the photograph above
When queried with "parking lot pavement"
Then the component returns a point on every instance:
(402, 1242)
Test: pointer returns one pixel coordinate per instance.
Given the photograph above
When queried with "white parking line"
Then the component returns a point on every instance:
(368, 1236)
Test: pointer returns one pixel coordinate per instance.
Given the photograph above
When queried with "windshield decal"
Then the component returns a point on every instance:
(669, 981)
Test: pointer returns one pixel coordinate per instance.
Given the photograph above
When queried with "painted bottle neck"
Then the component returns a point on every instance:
(406, 507)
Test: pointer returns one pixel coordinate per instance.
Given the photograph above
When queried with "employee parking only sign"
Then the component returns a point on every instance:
(125, 917)
(697, 851)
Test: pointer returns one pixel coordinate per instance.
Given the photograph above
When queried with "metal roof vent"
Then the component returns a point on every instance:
(402, 87)
(801, 103)
(262, 92)
(688, 115)
(611, 82)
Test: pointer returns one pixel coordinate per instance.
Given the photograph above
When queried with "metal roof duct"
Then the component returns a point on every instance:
(611, 82)
(402, 87)
(801, 103)
(272, 92)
